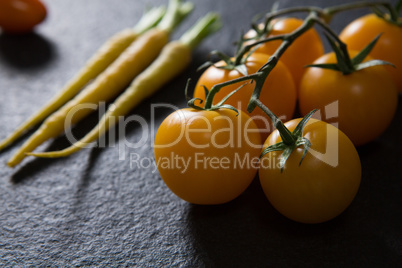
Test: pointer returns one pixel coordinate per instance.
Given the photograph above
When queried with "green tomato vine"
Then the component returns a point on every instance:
(315, 16)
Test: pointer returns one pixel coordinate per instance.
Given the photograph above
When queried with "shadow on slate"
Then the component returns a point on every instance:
(36, 164)
(25, 51)
(238, 243)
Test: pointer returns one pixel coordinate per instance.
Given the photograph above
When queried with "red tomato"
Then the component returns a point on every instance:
(20, 16)
(278, 92)
(363, 103)
(303, 51)
(325, 183)
(388, 47)
(207, 157)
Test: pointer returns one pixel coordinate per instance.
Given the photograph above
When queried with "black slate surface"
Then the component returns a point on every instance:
(94, 209)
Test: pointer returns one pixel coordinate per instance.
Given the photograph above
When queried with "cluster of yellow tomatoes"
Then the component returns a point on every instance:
(210, 156)
(215, 150)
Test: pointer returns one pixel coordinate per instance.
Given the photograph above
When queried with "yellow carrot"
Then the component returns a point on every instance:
(112, 81)
(173, 59)
(102, 58)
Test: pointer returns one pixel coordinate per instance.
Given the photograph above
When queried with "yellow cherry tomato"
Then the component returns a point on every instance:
(323, 185)
(207, 157)
(361, 31)
(363, 103)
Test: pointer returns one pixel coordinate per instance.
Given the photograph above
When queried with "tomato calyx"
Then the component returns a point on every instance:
(208, 106)
(290, 140)
(347, 65)
(229, 63)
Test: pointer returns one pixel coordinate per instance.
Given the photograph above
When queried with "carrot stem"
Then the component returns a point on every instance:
(149, 20)
(175, 13)
(204, 27)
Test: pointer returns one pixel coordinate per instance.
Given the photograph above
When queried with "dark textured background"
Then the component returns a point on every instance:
(92, 209)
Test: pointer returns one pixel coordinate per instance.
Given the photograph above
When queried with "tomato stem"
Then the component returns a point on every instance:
(286, 135)
(264, 71)
(318, 16)
(215, 89)
(331, 11)
(286, 11)
(245, 49)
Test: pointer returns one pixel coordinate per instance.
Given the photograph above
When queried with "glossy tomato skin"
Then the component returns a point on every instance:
(363, 30)
(221, 157)
(278, 92)
(325, 183)
(21, 16)
(363, 103)
(303, 51)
